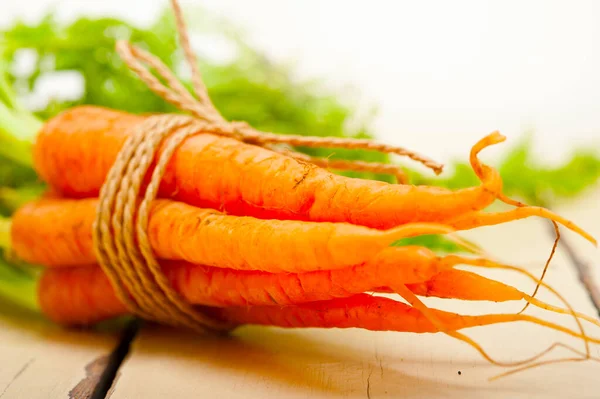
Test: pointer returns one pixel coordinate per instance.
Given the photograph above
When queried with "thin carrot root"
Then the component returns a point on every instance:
(405, 293)
(97, 301)
(460, 284)
(511, 292)
(416, 303)
(464, 285)
(482, 171)
(490, 178)
(372, 313)
(509, 201)
(526, 363)
(493, 290)
(452, 283)
(478, 219)
(548, 362)
(532, 300)
(473, 285)
(546, 266)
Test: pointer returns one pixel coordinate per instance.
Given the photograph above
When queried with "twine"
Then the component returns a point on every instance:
(120, 228)
(121, 243)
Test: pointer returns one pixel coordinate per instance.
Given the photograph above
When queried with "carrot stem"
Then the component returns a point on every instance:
(19, 287)
(17, 150)
(4, 233)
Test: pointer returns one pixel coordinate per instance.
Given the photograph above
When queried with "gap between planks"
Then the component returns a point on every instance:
(583, 270)
(102, 373)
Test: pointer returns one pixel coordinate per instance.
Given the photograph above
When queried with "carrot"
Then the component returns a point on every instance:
(203, 285)
(464, 285)
(461, 284)
(475, 219)
(78, 296)
(211, 286)
(388, 268)
(371, 313)
(58, 232)
(433, 316)
(83, 295)
(75, 150)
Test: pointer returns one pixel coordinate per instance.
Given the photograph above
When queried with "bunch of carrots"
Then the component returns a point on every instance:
(253, 236)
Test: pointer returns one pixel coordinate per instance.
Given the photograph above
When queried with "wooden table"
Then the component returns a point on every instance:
(39, 360)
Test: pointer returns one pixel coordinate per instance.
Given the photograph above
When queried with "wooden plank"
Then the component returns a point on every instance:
(41, 360)
(276, 363)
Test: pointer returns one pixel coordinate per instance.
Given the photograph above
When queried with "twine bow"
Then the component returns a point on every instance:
(120, 229)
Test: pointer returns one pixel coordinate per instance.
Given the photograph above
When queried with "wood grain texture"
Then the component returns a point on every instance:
(40, 360)
(276, 363)
(93, 372)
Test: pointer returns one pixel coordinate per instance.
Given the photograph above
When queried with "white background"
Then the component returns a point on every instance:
(443, 74)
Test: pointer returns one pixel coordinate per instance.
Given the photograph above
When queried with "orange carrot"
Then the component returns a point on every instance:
(478, 218)
(461, 284)
(58, 232)
(78, 296)
(202, 285)
(371, 313)
(83, 295)
(75, 150)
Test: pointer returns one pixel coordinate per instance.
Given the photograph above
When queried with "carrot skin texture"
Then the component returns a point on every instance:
(465, 285)
(83, 296)
(75, 150)
(210, 286)
(76, 296)
(359, 311)
(478, 218)
(84, 287)
(80, 294)
(58, 232)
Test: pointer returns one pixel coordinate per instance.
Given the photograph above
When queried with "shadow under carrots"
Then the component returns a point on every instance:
(288, 360)
(16, 320)
(272, 362)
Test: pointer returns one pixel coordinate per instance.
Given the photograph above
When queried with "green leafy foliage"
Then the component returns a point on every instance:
(18, 285)
(528, 179)
(436, 242)
(248, 88)
(547, 184)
